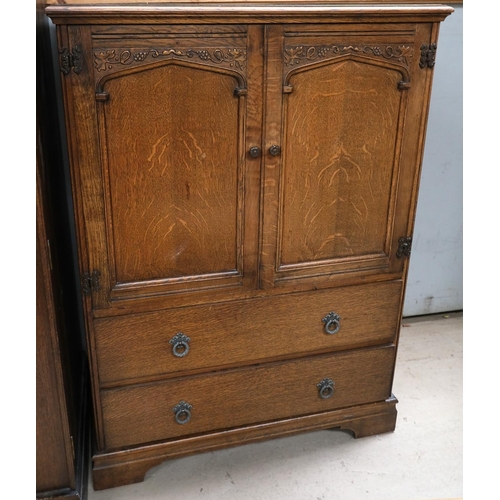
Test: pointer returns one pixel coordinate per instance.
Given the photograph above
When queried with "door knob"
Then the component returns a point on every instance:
(274, 150)
(254, 152)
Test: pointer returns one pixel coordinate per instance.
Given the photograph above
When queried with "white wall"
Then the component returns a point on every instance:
(435, 274)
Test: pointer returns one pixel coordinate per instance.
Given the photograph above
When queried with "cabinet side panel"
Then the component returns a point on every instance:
(53, 461)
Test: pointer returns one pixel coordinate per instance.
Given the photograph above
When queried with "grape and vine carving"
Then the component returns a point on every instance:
(109, 58)
(299, 54)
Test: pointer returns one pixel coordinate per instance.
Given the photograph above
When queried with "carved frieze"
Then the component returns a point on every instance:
(303, 54)
(108, 59)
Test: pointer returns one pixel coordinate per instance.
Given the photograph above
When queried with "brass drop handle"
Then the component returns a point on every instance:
(180, 344)
(254, 152)
(332, 323)
(274, 150)
(182, 412)
(325, 388)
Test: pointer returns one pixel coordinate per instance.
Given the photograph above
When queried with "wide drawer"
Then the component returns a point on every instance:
(220, 400)
(136, 347)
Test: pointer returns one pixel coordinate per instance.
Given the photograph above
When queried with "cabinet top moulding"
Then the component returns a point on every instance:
(242, 12)
(345, 2)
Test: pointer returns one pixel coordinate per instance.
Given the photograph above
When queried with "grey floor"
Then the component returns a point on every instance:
(421, 460)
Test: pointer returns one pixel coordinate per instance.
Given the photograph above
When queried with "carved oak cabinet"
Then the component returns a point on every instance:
(245, 179)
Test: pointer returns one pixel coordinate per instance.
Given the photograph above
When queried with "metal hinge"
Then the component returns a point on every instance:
(71, 60)
(427, 55)
(404, 247)
(90, 282)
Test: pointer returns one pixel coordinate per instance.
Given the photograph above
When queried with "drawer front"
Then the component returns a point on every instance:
(144, 414)
(245, 332)
(148, 413)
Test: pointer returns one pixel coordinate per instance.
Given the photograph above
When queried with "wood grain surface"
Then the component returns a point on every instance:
(144, 414)
(337, 171)
(173, 182)
(136, 348)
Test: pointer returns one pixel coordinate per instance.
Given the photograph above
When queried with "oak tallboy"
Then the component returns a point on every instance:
(245, 179)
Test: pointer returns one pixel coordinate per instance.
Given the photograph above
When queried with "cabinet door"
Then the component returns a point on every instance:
(345, 108)
(166, 185)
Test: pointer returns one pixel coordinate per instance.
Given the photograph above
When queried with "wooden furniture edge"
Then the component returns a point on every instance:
(82, 448)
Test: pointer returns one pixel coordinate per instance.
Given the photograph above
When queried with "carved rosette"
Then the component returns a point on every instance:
(108, 59)
(305, 54)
